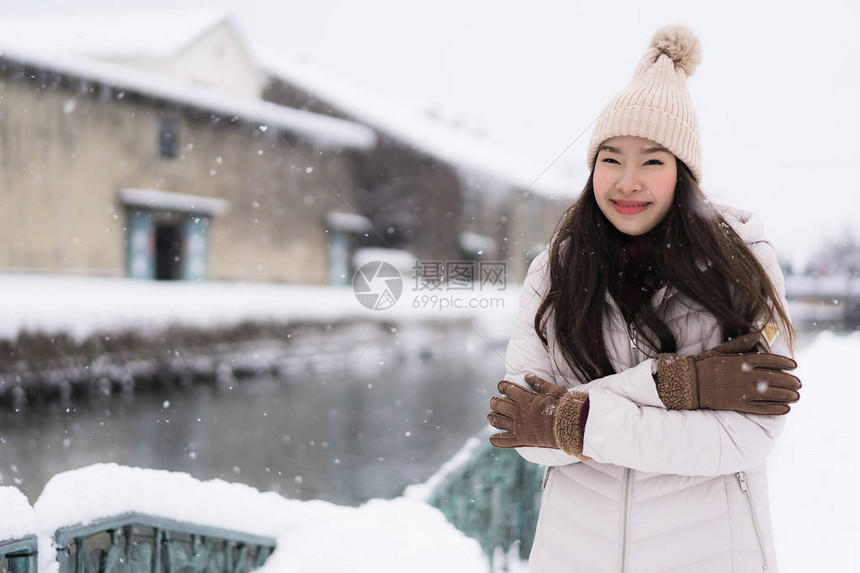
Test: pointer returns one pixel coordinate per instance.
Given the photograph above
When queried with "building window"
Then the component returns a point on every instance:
(168, 138)
(168, 233)
(169, 248)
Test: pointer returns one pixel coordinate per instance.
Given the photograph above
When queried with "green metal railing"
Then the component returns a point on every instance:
(493, 496)
(19, 555)
(490, 494)
(140, 543)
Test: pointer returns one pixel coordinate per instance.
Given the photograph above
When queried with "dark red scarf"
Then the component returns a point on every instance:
(639, 277)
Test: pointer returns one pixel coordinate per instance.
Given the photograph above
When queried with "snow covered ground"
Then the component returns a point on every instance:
(813, 471)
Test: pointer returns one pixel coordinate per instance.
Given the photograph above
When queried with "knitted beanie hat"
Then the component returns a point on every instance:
(656, 105)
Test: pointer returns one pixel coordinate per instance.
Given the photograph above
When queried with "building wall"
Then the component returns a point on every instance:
(57, 209)
(413, 200)
(66, 149)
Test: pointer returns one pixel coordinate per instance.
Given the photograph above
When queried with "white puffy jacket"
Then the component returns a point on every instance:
(666, 490)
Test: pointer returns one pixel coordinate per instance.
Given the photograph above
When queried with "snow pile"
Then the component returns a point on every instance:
(378, 537)
(106, 490)
(813, 470)
(17, 519)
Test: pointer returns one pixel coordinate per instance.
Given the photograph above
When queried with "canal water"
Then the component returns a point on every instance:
(388, 416)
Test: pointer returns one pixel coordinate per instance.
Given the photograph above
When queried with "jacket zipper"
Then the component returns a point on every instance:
(635, 353)
(625, 500)
(625, 497)
(745, 488)
(545, 478)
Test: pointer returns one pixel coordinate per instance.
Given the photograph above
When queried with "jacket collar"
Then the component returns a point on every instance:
(660, 296)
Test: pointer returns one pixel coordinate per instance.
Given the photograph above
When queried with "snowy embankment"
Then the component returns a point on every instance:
(81, 306)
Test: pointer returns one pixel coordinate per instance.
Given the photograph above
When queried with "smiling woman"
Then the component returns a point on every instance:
(648, 364)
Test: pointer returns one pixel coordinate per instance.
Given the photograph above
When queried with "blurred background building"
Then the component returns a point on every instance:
(173, 148)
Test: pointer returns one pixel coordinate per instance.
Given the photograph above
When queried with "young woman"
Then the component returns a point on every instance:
(647, 366)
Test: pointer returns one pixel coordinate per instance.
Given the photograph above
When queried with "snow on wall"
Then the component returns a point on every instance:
(17, 518)
(377, 537)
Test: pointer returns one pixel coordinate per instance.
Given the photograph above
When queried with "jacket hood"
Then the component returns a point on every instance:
(747, 225)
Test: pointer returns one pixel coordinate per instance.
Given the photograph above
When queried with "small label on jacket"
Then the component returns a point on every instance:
(771, 332)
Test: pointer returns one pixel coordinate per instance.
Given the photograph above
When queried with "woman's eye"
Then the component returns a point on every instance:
(609, 160)
(653, 162)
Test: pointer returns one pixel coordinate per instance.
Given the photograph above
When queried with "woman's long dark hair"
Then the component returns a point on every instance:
(696, 251)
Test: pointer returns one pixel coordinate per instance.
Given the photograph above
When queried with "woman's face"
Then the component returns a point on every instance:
(634, 183)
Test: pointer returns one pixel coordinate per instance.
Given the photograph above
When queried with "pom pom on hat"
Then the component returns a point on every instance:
(681, 45)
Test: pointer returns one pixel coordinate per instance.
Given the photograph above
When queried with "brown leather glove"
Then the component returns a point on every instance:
(545, 416)
(732, 376)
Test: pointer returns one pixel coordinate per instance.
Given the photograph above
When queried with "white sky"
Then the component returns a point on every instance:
(777, 93)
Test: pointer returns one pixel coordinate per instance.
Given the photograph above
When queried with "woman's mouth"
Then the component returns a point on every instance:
(629, 207)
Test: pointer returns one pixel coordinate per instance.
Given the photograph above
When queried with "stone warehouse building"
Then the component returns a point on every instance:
(169, 146)
(114, 171)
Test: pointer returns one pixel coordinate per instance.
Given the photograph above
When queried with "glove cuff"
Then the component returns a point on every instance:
(675, 381)
(569, 426)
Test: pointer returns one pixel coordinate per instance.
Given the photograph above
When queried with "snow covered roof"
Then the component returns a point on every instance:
(458, 148)
(112, 34)
(160, 33)
(322, 130)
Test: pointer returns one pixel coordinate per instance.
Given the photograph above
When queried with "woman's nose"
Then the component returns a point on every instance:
(628, 182)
